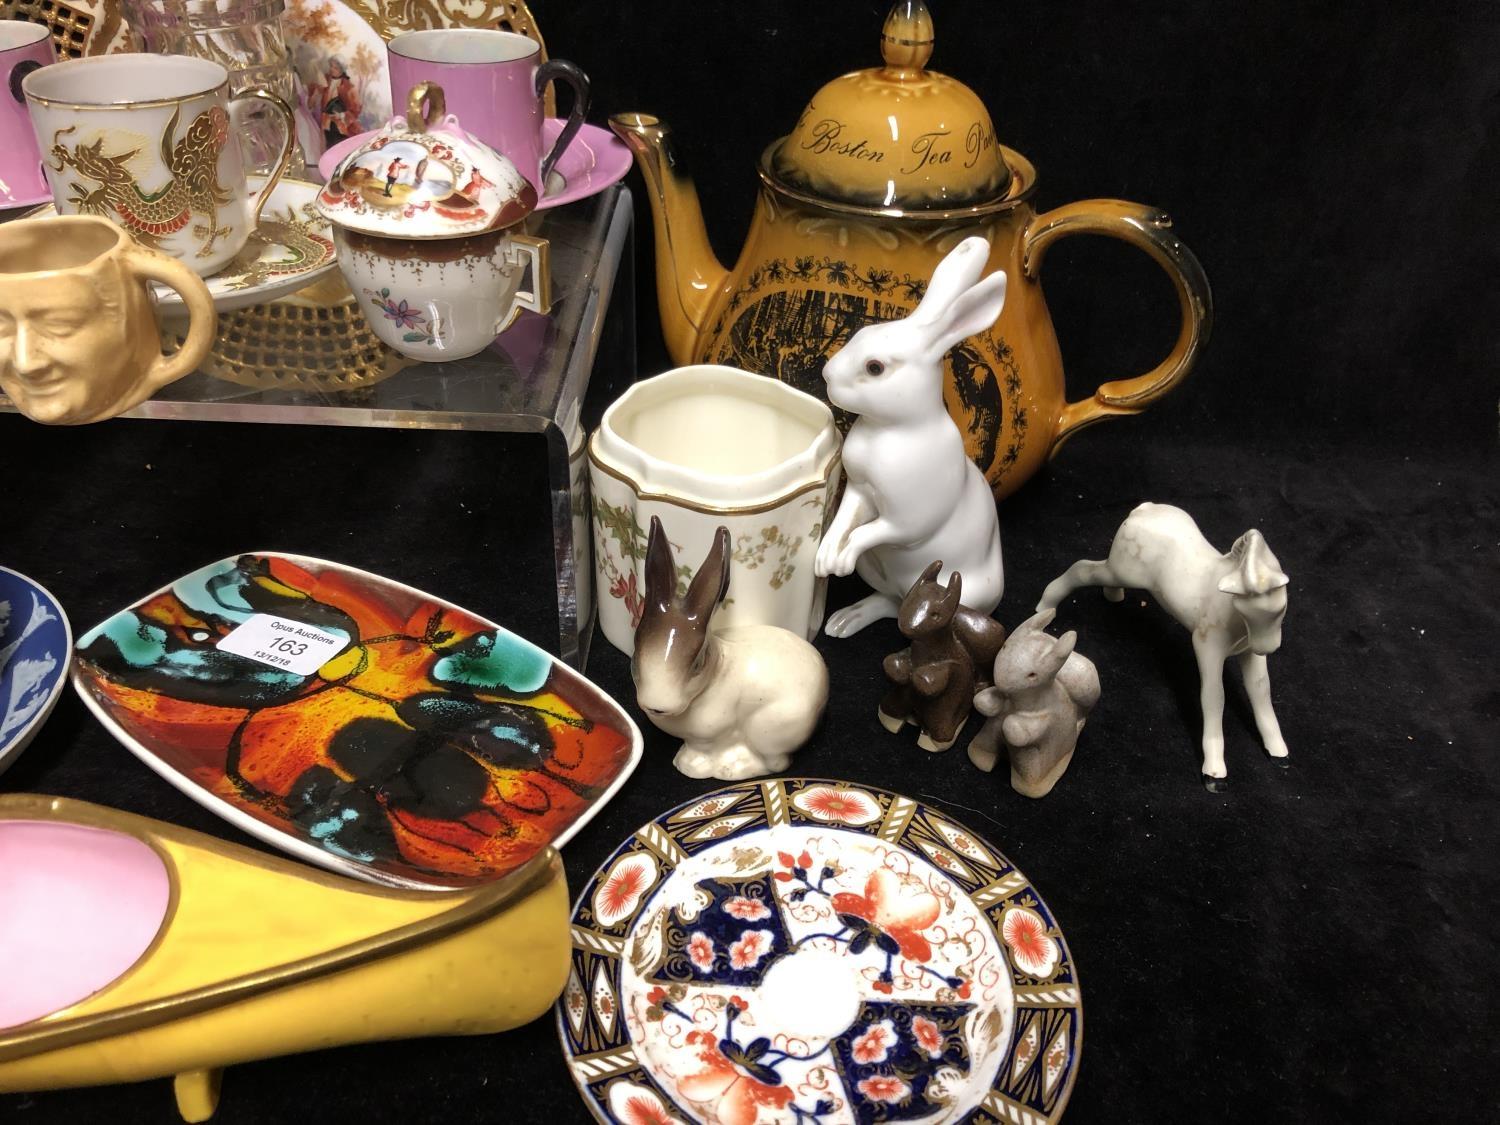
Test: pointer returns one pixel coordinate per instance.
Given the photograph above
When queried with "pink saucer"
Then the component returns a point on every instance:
(8, 203)
(595, 159)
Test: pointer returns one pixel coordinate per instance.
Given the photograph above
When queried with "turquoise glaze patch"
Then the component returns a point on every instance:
(497, 661)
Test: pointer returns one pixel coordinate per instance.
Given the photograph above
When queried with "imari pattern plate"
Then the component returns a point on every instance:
(803, 951)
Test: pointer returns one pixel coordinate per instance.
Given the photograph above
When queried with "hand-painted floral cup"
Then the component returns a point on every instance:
(703, 446)
(494, 81)
(427, 223)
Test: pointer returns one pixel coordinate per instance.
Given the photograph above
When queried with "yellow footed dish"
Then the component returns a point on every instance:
(251, 956)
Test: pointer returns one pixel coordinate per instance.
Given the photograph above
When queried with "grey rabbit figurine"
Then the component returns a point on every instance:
(1041, 698)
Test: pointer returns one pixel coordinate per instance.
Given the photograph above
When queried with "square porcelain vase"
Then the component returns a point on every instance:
(703, 446)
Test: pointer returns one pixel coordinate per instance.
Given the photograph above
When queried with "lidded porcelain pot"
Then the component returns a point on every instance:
(427, 223)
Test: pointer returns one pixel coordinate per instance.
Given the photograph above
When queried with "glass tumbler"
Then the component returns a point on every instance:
(243, 36)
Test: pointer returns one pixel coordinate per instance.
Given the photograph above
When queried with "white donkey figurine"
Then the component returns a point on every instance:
(1233, 604)
(912, 494)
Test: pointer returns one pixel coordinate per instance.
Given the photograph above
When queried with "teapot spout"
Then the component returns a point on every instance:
(688, 276)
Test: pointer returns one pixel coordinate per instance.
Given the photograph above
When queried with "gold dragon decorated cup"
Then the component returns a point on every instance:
(148, 142)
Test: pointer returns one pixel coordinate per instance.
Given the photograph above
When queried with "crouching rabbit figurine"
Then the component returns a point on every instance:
(933, 680)
(1233, 604)
(912, 493)
(1041, 698)
(741, 699)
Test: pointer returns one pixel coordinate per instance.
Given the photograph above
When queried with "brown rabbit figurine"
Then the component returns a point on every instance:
(933, 681)
(741, 699)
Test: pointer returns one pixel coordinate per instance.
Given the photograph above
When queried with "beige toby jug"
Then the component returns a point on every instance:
(886, 171)
(78, 335)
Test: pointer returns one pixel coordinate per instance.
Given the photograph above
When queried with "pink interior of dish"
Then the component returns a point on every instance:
(78, 907)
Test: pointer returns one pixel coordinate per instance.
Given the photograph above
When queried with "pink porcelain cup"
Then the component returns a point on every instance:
(23, 48)
(494, 82)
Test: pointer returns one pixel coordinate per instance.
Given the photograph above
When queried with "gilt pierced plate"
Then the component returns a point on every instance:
(79, 27)
(808, 951)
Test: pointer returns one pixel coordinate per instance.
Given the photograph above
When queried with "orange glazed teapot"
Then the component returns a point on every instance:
(886, 171)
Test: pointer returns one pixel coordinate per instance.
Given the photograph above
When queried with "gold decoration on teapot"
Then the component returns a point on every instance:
(899, 135)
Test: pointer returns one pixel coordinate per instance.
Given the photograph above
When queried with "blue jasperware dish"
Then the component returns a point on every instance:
(35, 648)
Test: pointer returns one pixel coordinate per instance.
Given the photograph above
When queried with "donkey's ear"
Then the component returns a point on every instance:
(1256, 570)
(711, 582)
(1064, 647)
(955, 591)
(661, 569)
(934, 568)
(1038, 621)
(954, 276)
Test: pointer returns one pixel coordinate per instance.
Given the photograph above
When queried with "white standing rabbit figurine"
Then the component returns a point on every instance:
(1233, 604)
(912, 493)
(1042, 696)
(741, 699)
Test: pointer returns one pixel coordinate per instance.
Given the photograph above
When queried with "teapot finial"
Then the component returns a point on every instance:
(906, 39)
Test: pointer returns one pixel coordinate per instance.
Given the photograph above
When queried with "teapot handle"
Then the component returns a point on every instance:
(1150, 230)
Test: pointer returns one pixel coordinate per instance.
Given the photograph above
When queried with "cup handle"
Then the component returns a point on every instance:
(203, 320)
(561, 70)
(1150, 230)
(525, 249)
(17, 75)
(289, 123)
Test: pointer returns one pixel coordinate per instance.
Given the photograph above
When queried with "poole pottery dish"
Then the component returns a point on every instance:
(291, 247)
(135, 949)
(355, 722)
(798, 951)
(35, 648)
(595, 160)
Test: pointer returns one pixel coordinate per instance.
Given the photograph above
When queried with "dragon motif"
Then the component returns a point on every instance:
(193, 188)
(285, 244)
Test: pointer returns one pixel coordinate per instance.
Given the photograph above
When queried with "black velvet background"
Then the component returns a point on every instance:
(1319, 943)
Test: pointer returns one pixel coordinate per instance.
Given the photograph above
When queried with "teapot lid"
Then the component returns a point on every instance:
(423, 176)
(898, 136)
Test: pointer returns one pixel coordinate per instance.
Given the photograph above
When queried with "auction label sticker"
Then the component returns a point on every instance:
(283, 643)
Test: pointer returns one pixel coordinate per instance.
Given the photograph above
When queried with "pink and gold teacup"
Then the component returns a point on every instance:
(494, 82)
(24, 47)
